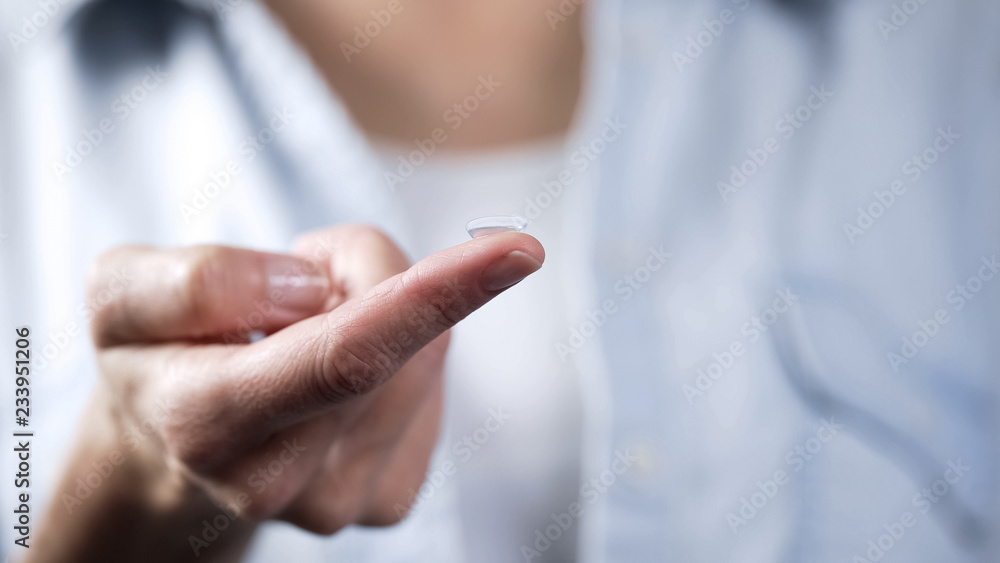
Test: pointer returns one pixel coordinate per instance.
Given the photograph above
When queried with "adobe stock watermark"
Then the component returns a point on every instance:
(104, 467)
(248, 324)
(626, 287)
(759, 156)
(220, 180)
(957, 298)
(913, 169)
(566, 9)
(579, 162)
(60, 339)
(723, 361)
(590, 493)
(751, 505)
(121, 109)
(32, 25)
(454, 117)
(923, 502)
(696, 44)
(364, 34)
(424, 322)
(259, 481)
(899, 16)
(464, 450)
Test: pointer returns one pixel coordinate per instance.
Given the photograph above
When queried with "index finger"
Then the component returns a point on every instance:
(328, 359)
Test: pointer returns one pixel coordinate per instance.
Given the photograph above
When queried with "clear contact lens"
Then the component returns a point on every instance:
(492, 225)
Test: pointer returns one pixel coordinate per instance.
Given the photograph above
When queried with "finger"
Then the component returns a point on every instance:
(211, 385)
(380, 456)
(329, 359)
(146, 294)
(357, 257)
(397, 488)
(274, 474)
(353, 485)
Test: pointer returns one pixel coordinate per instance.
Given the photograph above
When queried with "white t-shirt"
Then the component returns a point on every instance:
(502, 358)
(768, 147)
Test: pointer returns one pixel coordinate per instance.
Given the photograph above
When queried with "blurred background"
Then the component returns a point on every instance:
(767, 326)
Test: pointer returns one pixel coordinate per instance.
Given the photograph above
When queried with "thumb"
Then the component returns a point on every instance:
(147, 294)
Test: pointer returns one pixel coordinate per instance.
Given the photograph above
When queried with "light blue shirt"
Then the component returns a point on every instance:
(788, 225)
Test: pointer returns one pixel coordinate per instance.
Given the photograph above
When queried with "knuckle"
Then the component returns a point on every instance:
(268, 504)
(329, 524)
(354, 361)
(103, 294)
(351, 370)
(389, 515)
(328, 510)
(326, 526)
(441, 307)
(446, 312)
(370, 241)
(393, 517)
(197, 282)
(399, 497)
(366, 235)
(344, 510)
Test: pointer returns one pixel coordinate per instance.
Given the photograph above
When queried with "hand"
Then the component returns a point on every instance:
(327, 421)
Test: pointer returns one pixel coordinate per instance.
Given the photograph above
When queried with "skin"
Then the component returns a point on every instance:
(195, 417)
(350, 374)
(429, 57)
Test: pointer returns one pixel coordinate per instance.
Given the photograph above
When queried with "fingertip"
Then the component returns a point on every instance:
(508, 270)
(505, 243)
(531, 246)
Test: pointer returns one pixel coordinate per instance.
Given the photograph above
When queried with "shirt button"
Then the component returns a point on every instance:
(645, 460)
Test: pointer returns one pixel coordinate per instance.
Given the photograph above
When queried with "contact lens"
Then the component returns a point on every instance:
(491, 225)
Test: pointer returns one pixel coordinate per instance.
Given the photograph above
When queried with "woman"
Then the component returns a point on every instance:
(701, 371)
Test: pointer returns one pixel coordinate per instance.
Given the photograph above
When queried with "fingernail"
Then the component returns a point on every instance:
(508, 270)
(296, 284)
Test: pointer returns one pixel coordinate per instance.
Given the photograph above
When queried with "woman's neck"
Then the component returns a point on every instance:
(405, 68)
